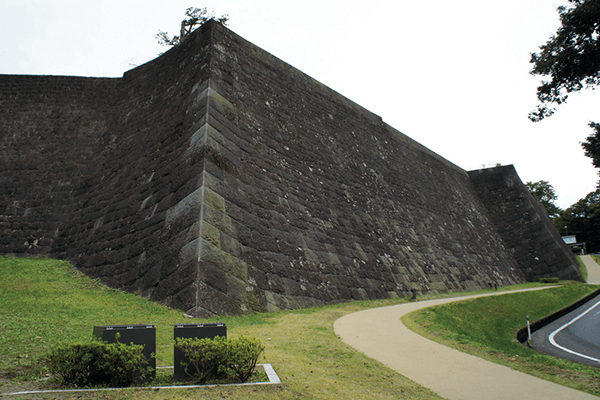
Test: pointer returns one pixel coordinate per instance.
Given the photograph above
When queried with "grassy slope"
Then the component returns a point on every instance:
(596, 259)
(486, 327)
(582, 268)
(43, 302)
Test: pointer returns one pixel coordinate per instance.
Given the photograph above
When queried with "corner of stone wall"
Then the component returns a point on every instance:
(222, 282)
(524, 225)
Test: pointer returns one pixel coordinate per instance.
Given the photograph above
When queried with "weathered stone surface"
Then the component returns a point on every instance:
(220, 180)
(523, 224)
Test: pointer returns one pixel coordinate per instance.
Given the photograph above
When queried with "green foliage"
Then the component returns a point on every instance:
(208, 358)
(72, 364)
(195, 18)
(591, 146)
(97, 364)
(242, 356)
(549, 280)
(544, 192)
(583, 220)
(122, 364)
(571, 57)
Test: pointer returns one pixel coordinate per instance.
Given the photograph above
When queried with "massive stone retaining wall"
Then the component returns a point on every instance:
(220, 180)
(524, 226)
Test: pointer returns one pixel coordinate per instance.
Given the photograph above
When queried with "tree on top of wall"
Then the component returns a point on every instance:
(195, 18)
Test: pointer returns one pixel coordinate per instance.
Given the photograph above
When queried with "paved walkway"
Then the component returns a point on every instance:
(593, 270)
(379, 334)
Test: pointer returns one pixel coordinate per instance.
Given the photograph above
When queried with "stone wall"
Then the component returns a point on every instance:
(220, 180)
(524, 226)
(50, 127)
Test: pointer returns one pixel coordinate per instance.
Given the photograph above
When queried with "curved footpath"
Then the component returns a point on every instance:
(593, 270)
(379, 334)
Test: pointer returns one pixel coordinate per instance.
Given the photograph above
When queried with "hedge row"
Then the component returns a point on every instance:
(119, 365)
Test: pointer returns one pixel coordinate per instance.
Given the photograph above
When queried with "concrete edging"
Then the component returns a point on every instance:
(271, 374)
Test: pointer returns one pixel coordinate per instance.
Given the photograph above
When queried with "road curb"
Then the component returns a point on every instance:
(522, 333)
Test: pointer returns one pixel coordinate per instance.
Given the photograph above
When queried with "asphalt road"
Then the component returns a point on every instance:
(575, 336)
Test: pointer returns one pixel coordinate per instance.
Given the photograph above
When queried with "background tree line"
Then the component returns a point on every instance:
(570, 62)
(582, 219)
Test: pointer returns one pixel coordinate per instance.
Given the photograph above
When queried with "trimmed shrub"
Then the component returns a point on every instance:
(97, 364)
(549, 280)
(205, 357)
(121, 364)
(242, 357)
(210, 358)
(73, 364)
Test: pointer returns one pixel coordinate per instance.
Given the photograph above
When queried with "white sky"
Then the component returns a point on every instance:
(453, 75)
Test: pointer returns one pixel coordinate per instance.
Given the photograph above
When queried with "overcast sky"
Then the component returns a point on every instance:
(452, 75)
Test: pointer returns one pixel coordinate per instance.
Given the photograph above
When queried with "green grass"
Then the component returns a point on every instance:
(486, 327)
(44, 302)
(582, 269)
(596, 259)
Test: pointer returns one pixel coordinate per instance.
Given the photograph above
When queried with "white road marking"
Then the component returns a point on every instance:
(551, 337)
